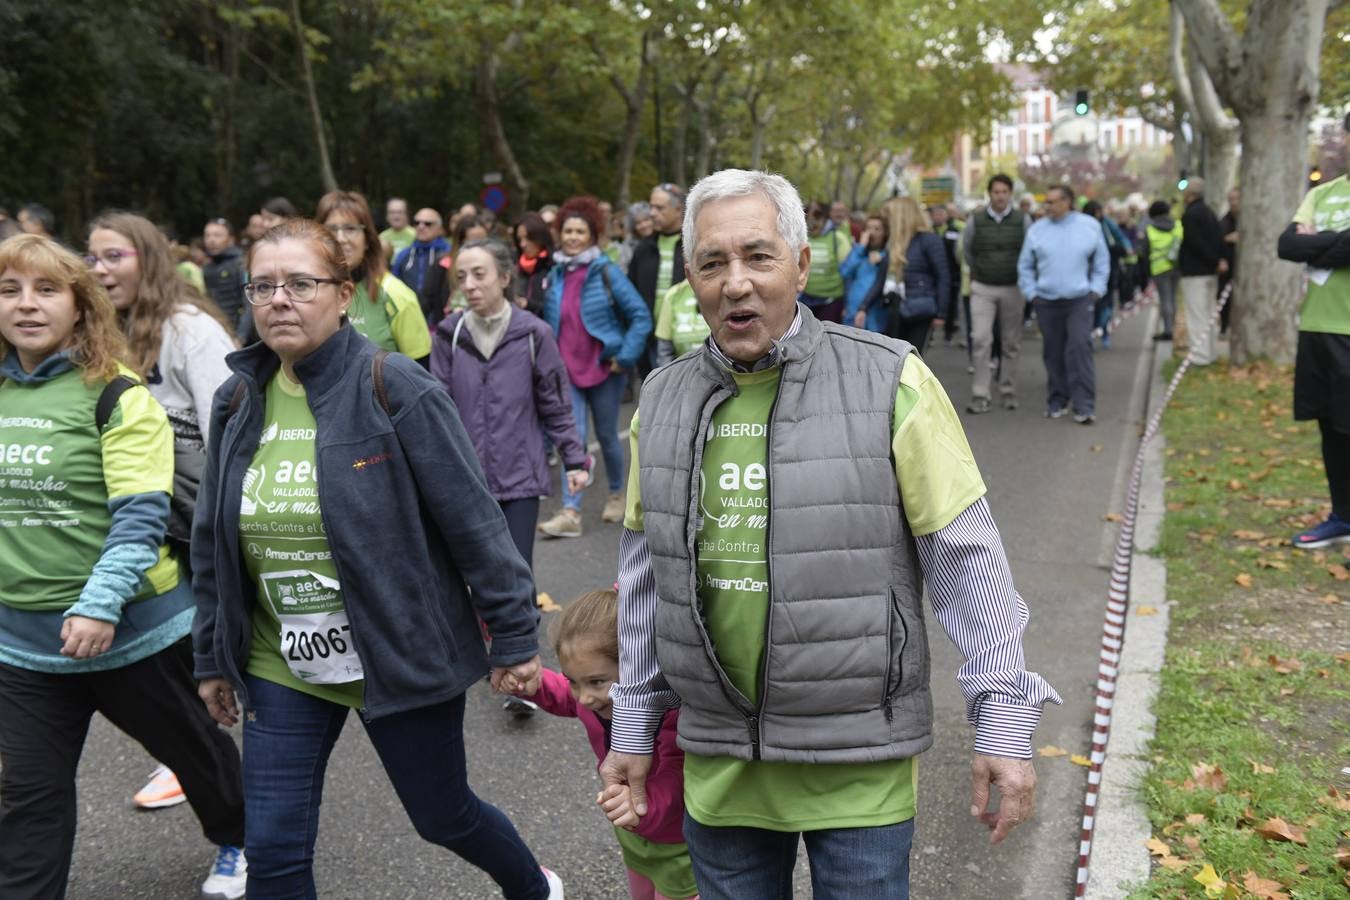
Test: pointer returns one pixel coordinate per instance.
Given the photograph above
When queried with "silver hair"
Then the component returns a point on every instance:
(730, 183)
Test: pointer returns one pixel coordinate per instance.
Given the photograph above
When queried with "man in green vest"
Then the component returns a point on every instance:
(991, 243)
(797, 653)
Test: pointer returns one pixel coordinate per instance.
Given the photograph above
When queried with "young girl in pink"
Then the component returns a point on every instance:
(586, 639)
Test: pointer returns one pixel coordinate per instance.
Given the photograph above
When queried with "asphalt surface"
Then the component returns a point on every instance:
(1050, 484)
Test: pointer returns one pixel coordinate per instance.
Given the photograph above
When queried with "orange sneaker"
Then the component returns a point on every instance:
(162, 790)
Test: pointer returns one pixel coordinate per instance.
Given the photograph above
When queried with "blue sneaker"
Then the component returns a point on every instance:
(1334, 530)
(229, 876)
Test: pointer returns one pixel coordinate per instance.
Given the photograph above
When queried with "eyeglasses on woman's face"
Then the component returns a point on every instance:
(111, 259)
(299, 290)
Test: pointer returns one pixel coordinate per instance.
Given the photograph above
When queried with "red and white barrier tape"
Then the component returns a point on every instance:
(1146, 299)
(1117, 604)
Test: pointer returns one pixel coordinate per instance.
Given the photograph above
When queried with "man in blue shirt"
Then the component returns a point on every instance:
(1063, 269)
(411, 264)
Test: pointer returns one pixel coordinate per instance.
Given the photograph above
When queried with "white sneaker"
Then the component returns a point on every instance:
(229, 876)
(519, 706)
(555, 888)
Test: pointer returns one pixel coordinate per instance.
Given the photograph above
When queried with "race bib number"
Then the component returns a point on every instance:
(316, 636)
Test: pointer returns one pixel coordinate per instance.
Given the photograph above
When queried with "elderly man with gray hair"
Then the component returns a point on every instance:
(794, 485)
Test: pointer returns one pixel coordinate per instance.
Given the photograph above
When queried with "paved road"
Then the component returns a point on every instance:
(1049, 485)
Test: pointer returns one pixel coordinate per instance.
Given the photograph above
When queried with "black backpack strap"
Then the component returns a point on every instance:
(236, 399)
(377, 378)
(107, 401)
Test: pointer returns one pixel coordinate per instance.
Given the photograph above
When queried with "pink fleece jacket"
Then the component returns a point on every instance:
(664, 822)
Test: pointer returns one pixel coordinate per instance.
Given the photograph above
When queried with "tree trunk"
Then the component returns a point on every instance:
(887, 158)
(679, 165)
(320, 133)
(1220, 129)
(634, 100)
(1269, 78)
(493, 133)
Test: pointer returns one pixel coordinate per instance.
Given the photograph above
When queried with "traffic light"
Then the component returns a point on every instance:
(1080, 102)
(1183, 182)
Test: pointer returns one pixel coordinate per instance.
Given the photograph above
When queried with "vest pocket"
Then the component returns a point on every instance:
(897, 637)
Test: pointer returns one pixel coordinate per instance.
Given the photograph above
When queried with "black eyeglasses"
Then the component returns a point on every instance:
(300, 290)
(426, 223)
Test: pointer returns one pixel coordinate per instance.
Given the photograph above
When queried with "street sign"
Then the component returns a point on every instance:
(493, 197)
(939, 190)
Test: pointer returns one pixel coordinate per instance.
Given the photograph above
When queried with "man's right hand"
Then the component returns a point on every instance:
(218, 695)
(629, 769)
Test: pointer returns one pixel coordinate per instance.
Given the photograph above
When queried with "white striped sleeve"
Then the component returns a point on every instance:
(641, 696)
(970, 586)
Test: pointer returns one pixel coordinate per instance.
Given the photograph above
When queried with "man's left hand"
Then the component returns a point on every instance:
(1016, 782)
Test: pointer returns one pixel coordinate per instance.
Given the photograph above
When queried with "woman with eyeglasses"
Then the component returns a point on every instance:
(95, 610)
(383, 308)
(345, 548)
(177, 341)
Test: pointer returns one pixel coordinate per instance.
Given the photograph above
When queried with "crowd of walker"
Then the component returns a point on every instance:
(203, 446)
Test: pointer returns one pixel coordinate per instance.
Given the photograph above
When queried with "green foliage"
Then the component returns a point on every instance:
(186, 109)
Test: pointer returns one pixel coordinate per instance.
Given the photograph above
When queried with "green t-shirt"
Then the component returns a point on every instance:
(57, 476)
(190, 272)
(828, 251)
(1327, 306)
(666, 243)
(399, 238)
(395, 322)
(938, 479)
(301, 636)
(679, 320)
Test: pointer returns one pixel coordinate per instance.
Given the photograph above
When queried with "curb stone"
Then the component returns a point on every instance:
(1120, 858)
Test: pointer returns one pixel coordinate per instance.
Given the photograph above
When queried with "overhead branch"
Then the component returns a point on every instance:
(1216, 43)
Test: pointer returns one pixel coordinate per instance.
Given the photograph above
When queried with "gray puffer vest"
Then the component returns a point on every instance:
(845, 675)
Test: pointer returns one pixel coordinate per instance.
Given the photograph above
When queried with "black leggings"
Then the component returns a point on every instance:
(43, 722)
(1336, 457)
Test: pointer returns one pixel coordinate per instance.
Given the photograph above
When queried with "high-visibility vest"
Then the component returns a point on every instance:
(1163, 248)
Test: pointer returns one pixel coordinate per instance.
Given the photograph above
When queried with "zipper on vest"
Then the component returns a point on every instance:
(753, 721)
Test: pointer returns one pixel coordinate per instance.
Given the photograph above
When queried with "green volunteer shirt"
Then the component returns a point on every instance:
(399, 238)
(58, 475)
(301, 636)
(679, 320)
(665, 271)
(937, 477)
(827, 252)
(395, 322)
(1327, 306)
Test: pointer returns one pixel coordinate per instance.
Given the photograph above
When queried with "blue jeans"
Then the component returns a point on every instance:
(602, 401)
(756, 864)
(288, 737)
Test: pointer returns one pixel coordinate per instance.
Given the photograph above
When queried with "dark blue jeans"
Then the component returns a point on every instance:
(602, 402)
(288, 737)
(1070, 372)
(756, 864)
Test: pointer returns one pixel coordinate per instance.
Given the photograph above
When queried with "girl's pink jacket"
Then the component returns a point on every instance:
(664, 822)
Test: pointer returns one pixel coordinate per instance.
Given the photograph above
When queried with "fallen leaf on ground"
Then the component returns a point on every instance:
(1195, 818)
(1329, 599)
(1243, 535)
(1192, 843)
(1336, 800)
(1261, 768)
(1111, 517)
(1268, 563)
(1263, 888)
(1211, 881)
(1080, 760)
(545, 603)
(1277, 829)
(1343, 857)
(1339, 572)
(1235, 485)
(1243, 579)
(1146, 611)
(1343, 657)
(1286, 691)
(1284, 666)
(1050, 751)
(1175, 507)
(1096, 448)
(1157, 847)
(1173, 863)
(1209, 777)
